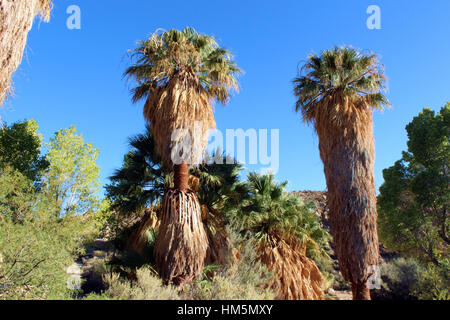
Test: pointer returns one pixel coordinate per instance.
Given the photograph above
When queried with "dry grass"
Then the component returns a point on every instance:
(147, 287)
(16, 20)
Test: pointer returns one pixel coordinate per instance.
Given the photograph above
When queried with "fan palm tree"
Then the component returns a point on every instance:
(337, 93)
(180, 74)
(218, 189)
(287, 231)
(141, 182)
(16, 19)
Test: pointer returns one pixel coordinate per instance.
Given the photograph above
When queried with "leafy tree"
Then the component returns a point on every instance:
(337, 92)
(415, 194)
(20, 148)
(142, 180)
(17, 196)
(71, 182)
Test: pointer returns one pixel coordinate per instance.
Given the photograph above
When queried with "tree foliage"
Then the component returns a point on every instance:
(20, 149)
(71, 180)
(414, 198)
(141, 180)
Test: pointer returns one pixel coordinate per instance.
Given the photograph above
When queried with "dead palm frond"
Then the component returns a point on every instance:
(16, 20)
(287, 230)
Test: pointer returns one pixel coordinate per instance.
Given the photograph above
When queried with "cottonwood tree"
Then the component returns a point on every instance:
(71, 182)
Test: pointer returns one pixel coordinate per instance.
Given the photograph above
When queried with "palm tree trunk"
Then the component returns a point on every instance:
(181, 245)
(347, 152)
(181, 176)
(360, 291)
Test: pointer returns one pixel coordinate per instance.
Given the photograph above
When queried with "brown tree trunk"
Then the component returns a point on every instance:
(347, 151)
(181, 176)
(181, 245)
(360, 291)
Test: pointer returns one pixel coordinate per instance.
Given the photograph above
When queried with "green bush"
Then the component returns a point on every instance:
(36, 254)
(146, 286)
(242, 278)
(433, 283)
(397, 279)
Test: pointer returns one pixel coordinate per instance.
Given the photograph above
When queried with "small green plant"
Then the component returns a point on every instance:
(146, 286)
(433, 283)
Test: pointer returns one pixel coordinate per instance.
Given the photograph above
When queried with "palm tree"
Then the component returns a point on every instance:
(141, 181)
(287, 232)
(218, 189)
(337, 92)
(16, 19)
(180, 74)
(138, 186)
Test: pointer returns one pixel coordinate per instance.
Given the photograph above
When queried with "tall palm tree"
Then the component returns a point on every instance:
(180, 74)
(287, 230)
(337, 92)
(16, 19)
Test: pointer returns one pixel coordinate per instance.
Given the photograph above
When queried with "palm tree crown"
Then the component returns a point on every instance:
(180, 74)
(341, 82)
(272, 214)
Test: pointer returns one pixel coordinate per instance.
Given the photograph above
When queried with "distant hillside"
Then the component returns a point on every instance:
(320, 200)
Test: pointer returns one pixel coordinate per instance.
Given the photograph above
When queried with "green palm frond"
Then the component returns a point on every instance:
(268, 211)
(166, 53)
(341, 78)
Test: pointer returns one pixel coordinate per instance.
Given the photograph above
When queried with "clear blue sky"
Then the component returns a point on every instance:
(74, 77)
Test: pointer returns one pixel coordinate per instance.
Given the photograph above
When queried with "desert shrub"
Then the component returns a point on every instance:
(36, 254)
(433, 283)
(398, 277)
(330, 271)
(146, 286)
(242, 277)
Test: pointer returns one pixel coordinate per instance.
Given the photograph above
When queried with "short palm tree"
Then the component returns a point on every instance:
(139, 186)
(180, 74)
(16, 19)
(287, 230)
(218, 189)
(337, 92)
(141, 181)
